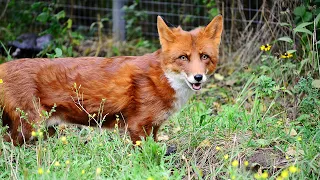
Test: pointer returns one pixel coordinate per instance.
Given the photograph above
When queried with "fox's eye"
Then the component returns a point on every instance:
(204, 56)
(183, 58)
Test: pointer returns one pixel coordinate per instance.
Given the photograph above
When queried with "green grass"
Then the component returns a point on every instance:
(246, 122)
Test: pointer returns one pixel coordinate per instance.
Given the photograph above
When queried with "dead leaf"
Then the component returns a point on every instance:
(293, 152)
(218, 76)
(177, 129)
(316, 83)
(163, 137)
(205, 143)
(291, 132)
(230, 82)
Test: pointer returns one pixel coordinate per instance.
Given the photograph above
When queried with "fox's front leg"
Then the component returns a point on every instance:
(142, 128)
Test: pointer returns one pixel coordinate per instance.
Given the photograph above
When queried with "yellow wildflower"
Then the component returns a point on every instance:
(286, 55)
(299, 138)
(57, 164)
(233, 177)
(67, 162)
(34, 134)
(138, 143)
(287, 157)
(83, 171)
(64, 140)
(48, 171)
(235, 163)
(265, 47)
(98, 170)
(256, 176)
(293, 169)
(226, 156)
(279, 178)
(1, 81)
(150, 178)
(246, 163)
(218, 148)
(284, 173)
(40, 171)
(40, 133)
(264, 175)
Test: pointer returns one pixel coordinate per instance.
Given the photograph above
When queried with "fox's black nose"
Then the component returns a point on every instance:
(198, 77)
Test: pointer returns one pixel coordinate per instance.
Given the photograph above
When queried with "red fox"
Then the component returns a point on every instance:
(142, 90)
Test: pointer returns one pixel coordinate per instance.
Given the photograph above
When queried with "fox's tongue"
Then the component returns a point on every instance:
(196, 86)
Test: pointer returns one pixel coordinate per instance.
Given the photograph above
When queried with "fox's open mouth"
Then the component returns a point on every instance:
(196, 86)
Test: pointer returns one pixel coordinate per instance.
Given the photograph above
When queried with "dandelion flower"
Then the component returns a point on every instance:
(83, 171)
(284, 173)
(246, 163)
(1, 81)
(293, 169)
(67, 162)
(265, 47)
(299, 138)
(40, 171)
(33, 133)
(264, 175)
(226, 156)
(138, 143)
(218, 148)
(286, 55)
(235, 163)
(57, 164)
(150, 178)
(98, 170)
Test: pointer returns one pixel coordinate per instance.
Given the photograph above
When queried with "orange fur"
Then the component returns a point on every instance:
(145, 90)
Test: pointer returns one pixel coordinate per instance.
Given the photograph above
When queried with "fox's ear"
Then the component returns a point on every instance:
(214, 29)
(165, 33)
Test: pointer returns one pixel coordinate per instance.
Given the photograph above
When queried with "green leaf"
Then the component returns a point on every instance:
(307, 16)
(302, 30)
(262, 142)
(43, 17)
(316, 20)
(58, 52)
(302, 25)
(69, 23)
(60, 15)
(291, 51)
(299, 11)
(316, 83)
(286, 39)
(285, 24)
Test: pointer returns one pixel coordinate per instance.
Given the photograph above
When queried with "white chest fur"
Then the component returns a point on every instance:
(182, 90)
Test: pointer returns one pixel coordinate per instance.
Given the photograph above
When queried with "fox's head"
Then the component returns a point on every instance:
(189, 57)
